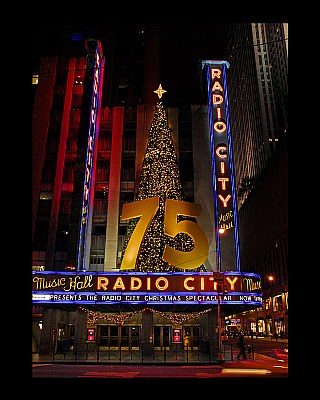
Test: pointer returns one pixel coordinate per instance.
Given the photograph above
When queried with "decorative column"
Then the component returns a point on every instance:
(50, 321)
(80, 330)
(112, 228)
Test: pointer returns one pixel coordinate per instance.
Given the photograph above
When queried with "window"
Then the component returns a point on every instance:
(40, 238)
(35, 79)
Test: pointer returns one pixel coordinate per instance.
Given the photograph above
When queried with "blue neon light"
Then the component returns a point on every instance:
(234, 197)
(92, 128)
(213, 166)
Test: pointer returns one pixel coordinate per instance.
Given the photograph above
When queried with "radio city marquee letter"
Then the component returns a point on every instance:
(146, 288)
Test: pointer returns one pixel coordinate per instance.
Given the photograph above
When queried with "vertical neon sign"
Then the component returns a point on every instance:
(89, 160)
(227, 244)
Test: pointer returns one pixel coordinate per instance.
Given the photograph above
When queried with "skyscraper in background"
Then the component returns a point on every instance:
(258, 99)
(258, 92)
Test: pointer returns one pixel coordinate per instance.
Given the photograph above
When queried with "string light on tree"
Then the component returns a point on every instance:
(159, 177)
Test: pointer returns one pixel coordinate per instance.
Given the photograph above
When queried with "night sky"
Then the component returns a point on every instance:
(182, 47)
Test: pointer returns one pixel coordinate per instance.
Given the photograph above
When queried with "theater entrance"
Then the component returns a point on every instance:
(191, 337)
(114, 337)
(164, 337)
(161, 337)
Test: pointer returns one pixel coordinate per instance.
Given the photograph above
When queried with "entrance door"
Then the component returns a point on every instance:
(70, 334)
(134, 337)
(130, 337)
(112, 336)
(191, 337)
(161, 337)
(108, 335)
(125, 337)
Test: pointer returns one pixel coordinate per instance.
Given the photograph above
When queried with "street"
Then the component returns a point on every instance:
(265, 369)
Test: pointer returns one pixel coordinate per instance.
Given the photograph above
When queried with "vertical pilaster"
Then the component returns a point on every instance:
(81, 330)
(50, 321)
(203, 190)
(40, 125)
(60, 166)
(144, 119)
(111, 247)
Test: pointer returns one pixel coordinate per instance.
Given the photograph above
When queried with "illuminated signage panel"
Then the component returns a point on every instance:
(177, 335)
(92, 138)
(91, 334)
(222, 166)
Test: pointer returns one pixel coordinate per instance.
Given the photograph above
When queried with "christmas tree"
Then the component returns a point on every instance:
(160, 177)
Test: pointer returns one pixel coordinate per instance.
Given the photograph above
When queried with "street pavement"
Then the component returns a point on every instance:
(261, 366)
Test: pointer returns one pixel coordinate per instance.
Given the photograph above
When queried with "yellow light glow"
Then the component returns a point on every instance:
(160, 91)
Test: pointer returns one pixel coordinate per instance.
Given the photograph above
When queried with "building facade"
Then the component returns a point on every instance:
(73, 169)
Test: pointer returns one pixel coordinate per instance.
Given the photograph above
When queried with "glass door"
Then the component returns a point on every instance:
(161, 337)
(191, 337)
(125, 337)
(134, 337)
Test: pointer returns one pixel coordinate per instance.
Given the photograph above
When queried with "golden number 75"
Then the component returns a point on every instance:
(146, 210)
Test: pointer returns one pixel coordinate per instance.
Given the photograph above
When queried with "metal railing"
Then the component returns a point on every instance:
(96, 353)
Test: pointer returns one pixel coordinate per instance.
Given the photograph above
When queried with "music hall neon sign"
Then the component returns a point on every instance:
(89, 158)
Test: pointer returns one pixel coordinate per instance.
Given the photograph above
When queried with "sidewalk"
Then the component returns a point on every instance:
(48, 359)
(258, 361)
(258, 358)
(268, 338)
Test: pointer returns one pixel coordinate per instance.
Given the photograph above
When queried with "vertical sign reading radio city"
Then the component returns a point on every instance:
(92, 136)
(227, 243)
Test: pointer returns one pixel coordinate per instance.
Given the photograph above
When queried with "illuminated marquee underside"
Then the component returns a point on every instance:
(145, 288)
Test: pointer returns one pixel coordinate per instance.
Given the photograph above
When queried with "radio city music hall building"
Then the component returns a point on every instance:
(124, 255)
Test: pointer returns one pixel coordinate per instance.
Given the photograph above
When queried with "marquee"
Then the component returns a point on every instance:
(232, 287)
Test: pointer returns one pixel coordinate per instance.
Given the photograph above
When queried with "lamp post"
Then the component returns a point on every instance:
(220, 352)
(219, 279)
